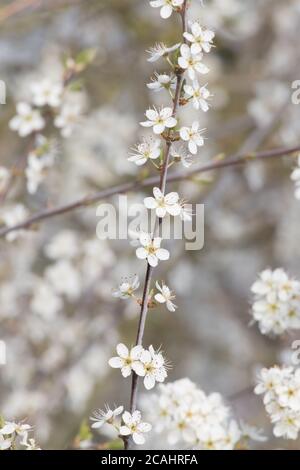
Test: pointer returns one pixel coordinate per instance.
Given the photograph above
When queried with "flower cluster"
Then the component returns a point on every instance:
(295, 176)
(16, 435)
(146, 363)
(125, 425)
(276, 306)
(189, 417)
(281, 389)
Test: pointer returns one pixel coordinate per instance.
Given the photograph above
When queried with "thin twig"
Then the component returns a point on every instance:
(86, 201)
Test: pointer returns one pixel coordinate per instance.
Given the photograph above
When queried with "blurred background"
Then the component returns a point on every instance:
(57, 347)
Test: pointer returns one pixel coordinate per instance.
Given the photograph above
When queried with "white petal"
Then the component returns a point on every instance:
(122, 350)
(149, 381)
(171, 122)
(166, 11)
(152, 260)
(138, 438)
(150, 202)
(116, 362)
(125, 431)
(141, 253)
(162, 254)
(160, 298)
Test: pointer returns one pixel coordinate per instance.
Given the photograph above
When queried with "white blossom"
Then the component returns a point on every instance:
(200, 39)
(192, 135)
(162, 81)
(63, 245)
(127, 288)
(179, 151)
(108, 416)
(295, 176)
(276, 305)
(5, 443)
(151, 250)
(27, 120)
(163, 204)
(281, 389)
(191, 63)
(166, 296)
(126, 359)
(12, 216)
(46, 92)
(45, 301)
(65, 279)
(133, 426)
(148, 149)
(152, 366)
(161, 50)
(68, 118)
(159, 119)
(198, 94)
(167, 6)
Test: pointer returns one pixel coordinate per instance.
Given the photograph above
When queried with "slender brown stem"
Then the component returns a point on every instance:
(214, 165)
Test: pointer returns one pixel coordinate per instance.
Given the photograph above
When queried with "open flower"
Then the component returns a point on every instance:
(200, 39)
(191, 63)
(46, 92)
(159, 119)
(11, 428)
(152, 367)
(167, 6)
(198, 94)
(192, 135)
(68, 118)
(166, 296)
(161, 50)
(108, 416)
(125, 359)
(27, 120)
(148, 149)
(150, 250)
(133, 426)
(163, 204)
(161, 81)
(127, 288)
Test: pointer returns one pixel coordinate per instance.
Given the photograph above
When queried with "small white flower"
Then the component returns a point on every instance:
(46, 92)
(4, 178)
(201, 39)
(192, 135)
(106, 416)
(288, 426)
(13, 216)
(159, 119)
(167, 6)
(168, 204)
(150, 250)
(68, 119)
(191, 63)
(180, 152)
(161, 50)
(27, 120)
(148, 149)
(162, 81)
(133, 426)
(166, 296)
(11, 428)
(63, 245)
(127, 288)
(152, 367)
(126, 359)
(295, 176)
(251, 432)
(199, 95)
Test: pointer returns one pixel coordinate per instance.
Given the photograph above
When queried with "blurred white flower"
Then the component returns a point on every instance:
(200, 39)
(27, 120)
(152, 366)
(46, 92)
(252, 433)
(163, 204)
(162, 81)
(276, 305)
(65, 279)
(295, 176)
(68, 118)
(166, 6)
(12, 216)
(159, 119)
(127, 288)
(126, 359)
(199, 95)
(133, 426)
(180, 152)
(151, 250)
(148, 149)
(192, 135)
(161, 50)
(108, 416)
(191, 63)
(166, 296)
(63, 245)
(5, 443)
(45, 301)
